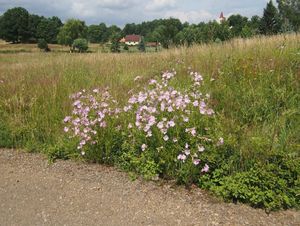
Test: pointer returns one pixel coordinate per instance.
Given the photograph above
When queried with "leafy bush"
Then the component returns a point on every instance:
(126, 47)
(80, 45)
(43, 45)
(266, 186)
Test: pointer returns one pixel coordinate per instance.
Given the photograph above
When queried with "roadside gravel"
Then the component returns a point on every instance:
(34, 192)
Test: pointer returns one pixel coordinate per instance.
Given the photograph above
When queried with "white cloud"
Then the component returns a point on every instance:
(191, 16)
(159, 5)
(120, 12)
(115, 4)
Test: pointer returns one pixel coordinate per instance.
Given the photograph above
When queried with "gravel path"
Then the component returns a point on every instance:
(34, 192)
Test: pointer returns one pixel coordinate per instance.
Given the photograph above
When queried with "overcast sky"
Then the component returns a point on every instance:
(120, 12)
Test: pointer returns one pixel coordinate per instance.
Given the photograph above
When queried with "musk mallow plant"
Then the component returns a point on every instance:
(174, 125)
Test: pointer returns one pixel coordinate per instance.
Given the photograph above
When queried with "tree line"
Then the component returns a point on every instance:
(17, 25)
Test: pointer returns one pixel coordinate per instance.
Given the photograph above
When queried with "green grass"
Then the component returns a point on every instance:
(255, 94)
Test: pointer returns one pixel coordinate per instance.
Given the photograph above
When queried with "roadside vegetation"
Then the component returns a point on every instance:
(242, 145)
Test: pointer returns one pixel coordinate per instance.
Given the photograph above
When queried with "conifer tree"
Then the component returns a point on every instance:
(270, 22)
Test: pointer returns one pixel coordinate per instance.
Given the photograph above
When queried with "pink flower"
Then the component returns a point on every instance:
(193, 132)
(160, 125)
(103, 124)
(171, 123)
(143, 147)
(201, 148)
(152, 82)
(67, 119)
(210, 112)
(166, 138)
(220, 141)
(96, 90)
(196, 162)
(185, 119)
(187, 151)
(205, 168)
(181, 157)
(195, 103)
(149, 134)
(66, 129)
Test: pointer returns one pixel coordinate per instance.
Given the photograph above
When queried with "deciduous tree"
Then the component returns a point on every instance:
(14, 25)
(73, 29)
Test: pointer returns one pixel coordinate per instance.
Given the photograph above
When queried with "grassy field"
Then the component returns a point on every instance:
(255, 94)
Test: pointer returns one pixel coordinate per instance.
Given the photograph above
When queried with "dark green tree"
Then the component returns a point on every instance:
(223, 31)
(48, 29)
(237, 22)
(14, 25)
(113, 31)
(159, 35)
(254, 24)
(290, 12)
(115, 44)
(270, 22)
(94, 34)
(247, 32)
(1, 31)
(130, 29)
(142, 46)
(104, 33)
(33, 23)
(73, 29)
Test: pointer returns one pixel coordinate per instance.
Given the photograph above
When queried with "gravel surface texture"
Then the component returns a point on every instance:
(35, 192)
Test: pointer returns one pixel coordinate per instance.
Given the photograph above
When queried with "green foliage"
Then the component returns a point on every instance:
(80, 45)
(141, 45)
(98, 33)
(237, 22)
(72, 29)
(271, 186)
(61, 149)
(48, 29)
(14, 25)
(115, 44)
(33, 23)
(270, 22)
(43, 45)
(6, 139)
(126, 48)
(143, 164)
(247, 32)
(290, 12)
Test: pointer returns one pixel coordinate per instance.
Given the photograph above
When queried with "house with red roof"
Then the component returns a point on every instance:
(131, 40)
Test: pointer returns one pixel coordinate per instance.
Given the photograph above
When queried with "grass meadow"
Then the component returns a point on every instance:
(254, 91)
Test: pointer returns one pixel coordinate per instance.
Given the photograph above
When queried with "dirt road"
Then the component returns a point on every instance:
(34, 192)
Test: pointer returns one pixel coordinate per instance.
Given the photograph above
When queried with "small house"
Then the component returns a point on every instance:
(132, 40)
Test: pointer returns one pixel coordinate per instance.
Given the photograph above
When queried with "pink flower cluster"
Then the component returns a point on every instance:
(169, 110)
(166, 116)
(90, 114)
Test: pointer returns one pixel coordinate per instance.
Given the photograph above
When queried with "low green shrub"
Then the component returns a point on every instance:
(80, 45)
